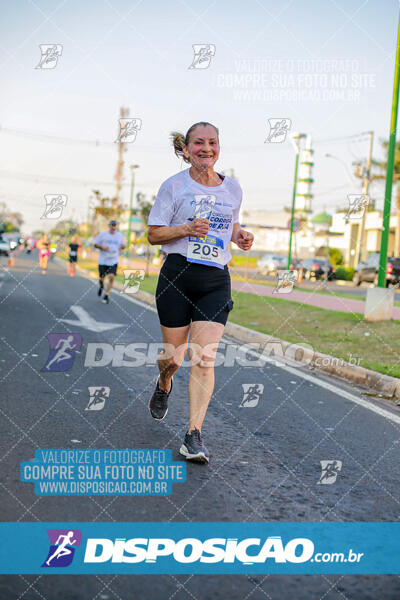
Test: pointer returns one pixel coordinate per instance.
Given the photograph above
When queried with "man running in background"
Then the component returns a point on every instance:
(109, 243)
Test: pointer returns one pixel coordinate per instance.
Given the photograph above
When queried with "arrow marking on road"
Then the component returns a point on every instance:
(87, 322)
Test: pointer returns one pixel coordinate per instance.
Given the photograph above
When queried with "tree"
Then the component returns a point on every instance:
(12, 221)
(63, 228)
(108, 208)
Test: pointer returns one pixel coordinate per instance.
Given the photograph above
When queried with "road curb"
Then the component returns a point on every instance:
(382, 384)
(387, 386)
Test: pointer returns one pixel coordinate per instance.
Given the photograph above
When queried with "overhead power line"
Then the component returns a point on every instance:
(44, 137)
(343, 138)
(52, 138)
(65, 180)
(51, 179)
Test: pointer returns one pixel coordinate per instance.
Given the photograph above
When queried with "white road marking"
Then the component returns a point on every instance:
(332, 388)
(87, 322)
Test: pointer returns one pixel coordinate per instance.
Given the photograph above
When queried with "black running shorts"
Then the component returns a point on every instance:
(192, 292)
(107, 269)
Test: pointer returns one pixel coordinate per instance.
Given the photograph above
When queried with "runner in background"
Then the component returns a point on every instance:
(109, 243)
(74, 247)
(43, 246)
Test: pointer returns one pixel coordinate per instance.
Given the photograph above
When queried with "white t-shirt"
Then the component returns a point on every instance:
(180, 197)
(114, 241)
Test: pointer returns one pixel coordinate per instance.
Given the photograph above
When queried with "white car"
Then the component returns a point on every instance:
(271, 263)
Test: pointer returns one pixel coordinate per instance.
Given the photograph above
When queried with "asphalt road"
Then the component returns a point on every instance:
(265, 460)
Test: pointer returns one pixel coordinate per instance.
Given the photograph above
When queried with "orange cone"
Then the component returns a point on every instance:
(11, 261)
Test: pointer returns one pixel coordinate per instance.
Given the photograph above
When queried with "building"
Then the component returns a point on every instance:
(305, 178)
(344, 235)
(271, 231)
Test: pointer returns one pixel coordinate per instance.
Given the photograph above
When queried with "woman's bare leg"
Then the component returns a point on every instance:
(204, 340)
(169, 360)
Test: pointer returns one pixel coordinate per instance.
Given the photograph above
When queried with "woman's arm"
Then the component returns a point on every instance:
(235, 231)
(242, 238)
(161, 234)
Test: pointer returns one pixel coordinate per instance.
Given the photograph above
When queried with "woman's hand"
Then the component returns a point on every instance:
(244, 239)
(198, 227)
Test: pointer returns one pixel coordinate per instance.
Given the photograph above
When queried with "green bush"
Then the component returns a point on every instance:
(336, 257)
(345, 273)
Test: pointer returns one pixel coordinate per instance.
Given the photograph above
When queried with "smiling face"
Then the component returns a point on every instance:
(203, 147)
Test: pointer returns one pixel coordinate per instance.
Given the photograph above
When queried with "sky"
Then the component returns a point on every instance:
(326, 65)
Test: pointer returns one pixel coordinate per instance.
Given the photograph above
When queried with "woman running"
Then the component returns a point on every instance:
(74, 247)
(44, 252)
(194, 217)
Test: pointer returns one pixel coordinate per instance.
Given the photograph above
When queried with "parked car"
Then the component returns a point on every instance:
(271, 263)
(316, 268)
(294, 263)
(4, 247)
(368, 270)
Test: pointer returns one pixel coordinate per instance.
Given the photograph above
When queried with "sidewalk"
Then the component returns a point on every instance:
(309, 298)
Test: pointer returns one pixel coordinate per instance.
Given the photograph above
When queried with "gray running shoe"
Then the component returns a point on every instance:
(158, 405)
(193, 447)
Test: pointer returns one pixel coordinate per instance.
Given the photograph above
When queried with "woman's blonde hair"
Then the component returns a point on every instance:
(179, 140)
(75, 239)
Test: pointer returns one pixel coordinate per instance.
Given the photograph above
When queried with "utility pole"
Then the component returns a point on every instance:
(87, 225)
(390, 169)
(124, 113)
(359, 253)
(380, 300)
(128, 240)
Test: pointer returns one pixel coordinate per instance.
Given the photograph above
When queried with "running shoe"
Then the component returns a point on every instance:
(193, 447)
(106, 299)
(158, 405)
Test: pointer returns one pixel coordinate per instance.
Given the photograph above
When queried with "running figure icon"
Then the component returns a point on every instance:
(62, 346)
(62, 549)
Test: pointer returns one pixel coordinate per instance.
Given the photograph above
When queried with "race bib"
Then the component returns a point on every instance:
(208, 250)
(73, 253)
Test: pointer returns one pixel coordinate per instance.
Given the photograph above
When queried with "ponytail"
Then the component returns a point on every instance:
(179, 140)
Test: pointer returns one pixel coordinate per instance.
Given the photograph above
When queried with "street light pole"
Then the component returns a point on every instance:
(359, 254)
(128, 241)
(87, 225)
(390, 168)
(295, 139)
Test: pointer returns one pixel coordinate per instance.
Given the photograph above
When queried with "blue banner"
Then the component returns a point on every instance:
(123, 548)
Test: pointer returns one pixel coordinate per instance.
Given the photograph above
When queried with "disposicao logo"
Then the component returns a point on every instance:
(191, 550)
(62, 547)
